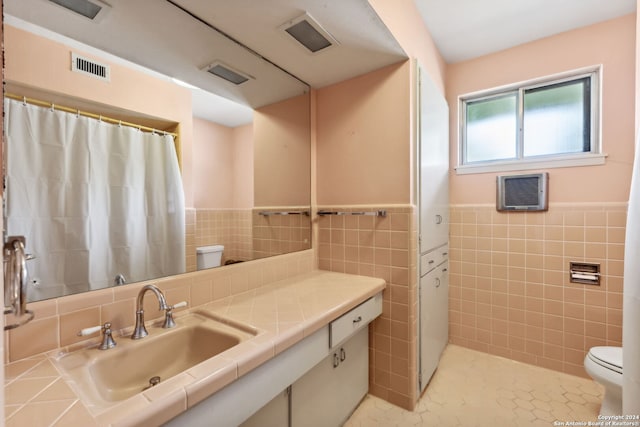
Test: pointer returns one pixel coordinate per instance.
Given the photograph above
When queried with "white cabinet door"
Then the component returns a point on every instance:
(328, 394)
(434, 320)
(273, 414)
(433, 140)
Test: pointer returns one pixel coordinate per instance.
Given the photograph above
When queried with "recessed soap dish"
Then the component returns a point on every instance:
(585, 273)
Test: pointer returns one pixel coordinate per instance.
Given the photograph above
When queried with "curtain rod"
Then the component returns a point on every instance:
(86, 114)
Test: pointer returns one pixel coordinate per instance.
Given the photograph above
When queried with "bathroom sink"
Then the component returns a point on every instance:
(109, 376)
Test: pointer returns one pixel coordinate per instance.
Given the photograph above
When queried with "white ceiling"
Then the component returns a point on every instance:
(158, 35)
(465, 29)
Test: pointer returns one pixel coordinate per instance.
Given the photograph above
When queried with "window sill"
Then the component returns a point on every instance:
(542, 163)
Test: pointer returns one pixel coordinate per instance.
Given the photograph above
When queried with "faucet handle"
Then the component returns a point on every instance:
(89, 331)
(107, 339)
(179, 305)
(168, 318)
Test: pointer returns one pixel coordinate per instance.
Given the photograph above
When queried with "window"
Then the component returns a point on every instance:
(545, 123)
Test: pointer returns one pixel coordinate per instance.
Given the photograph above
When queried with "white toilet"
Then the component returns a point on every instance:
(209, 256)
(604, 364)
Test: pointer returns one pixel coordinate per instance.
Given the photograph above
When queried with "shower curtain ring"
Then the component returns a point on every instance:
(53, 107)
(24, 101)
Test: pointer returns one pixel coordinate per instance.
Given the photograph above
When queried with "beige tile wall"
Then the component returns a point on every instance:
(380, 247)
(278, 234)
(510, 293)
(190, 239)
(228, 227)
(58, 320)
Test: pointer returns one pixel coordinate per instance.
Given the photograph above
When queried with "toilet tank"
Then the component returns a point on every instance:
(209, 256)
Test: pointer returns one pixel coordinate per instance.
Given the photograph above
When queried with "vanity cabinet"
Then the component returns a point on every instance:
(273, 414)
(317, 382)
(328, 394)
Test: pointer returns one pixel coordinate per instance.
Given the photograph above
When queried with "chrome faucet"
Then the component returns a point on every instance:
(140, 331)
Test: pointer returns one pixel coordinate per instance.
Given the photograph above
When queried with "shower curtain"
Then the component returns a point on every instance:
(631, 307)
(94, 200)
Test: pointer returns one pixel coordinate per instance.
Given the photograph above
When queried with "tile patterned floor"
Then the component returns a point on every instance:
(471, 388)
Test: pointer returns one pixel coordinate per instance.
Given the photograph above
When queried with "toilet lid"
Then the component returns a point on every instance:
(608, 357)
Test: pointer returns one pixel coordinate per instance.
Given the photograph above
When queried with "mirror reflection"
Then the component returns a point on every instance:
(131, 205)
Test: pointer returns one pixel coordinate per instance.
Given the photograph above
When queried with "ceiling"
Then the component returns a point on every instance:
(465, 29)
(176, 39)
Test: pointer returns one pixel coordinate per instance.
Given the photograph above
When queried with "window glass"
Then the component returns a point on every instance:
(491, 128)
(556, 119)
(537, 121)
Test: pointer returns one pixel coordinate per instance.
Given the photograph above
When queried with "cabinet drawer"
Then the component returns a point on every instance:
(432, 259)
(354, 320)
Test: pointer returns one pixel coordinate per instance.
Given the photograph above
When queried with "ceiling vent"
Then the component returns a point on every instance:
(89, 67)
(309, 33)
(91, 9)
(227, 73)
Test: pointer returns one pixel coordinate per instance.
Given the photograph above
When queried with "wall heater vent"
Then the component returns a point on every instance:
(80, 64)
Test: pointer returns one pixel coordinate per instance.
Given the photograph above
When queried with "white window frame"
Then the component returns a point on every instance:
(590, 158)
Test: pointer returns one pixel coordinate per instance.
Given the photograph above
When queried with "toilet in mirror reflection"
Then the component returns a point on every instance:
(209, 256)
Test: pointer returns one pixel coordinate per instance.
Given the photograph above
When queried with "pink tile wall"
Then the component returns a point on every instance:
(58, 320)
(385, 248)
(510, 292)
(278, 234)
(228, 227)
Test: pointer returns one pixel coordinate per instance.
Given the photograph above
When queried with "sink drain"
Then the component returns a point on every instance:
(153, 381)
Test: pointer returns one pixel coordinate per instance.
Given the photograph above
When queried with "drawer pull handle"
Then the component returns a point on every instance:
(445, 253)
(343, 355)
(437, 282)
(444, 270)
(438, 219)
(431, 261)
(357, 319)
(336, 360)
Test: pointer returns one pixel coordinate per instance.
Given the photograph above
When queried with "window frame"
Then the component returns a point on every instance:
(520, 162)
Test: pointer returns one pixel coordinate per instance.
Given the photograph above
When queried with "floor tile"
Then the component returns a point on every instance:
(471, 388)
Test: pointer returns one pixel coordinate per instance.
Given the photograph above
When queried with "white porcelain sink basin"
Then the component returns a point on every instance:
(109, 376)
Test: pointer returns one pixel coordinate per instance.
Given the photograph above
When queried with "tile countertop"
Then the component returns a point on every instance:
(284, 312)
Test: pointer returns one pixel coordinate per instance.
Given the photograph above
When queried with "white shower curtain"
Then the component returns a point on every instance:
(94, 200)
(631, 308)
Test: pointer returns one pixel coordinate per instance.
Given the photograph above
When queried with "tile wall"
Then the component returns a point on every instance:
(278, 234)
(58, 320)
(510, 293)
(190, 239)
(245, 233)
(228, 227)
(385, 248)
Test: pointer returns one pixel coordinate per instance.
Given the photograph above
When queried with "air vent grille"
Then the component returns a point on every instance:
(89, 67)
(85, 8)
(225, 72)
(309, 33)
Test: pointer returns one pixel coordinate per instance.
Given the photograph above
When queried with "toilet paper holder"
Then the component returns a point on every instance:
(584, 272)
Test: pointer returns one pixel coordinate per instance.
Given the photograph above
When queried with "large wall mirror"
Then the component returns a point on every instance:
(230, 84)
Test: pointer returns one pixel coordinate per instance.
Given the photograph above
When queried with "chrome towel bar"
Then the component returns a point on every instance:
(283, 213)
(380, 212)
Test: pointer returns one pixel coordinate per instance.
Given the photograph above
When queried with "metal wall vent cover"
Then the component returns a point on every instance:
(309, 33)
(89, 67)
(227, 73)
(91, 9)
